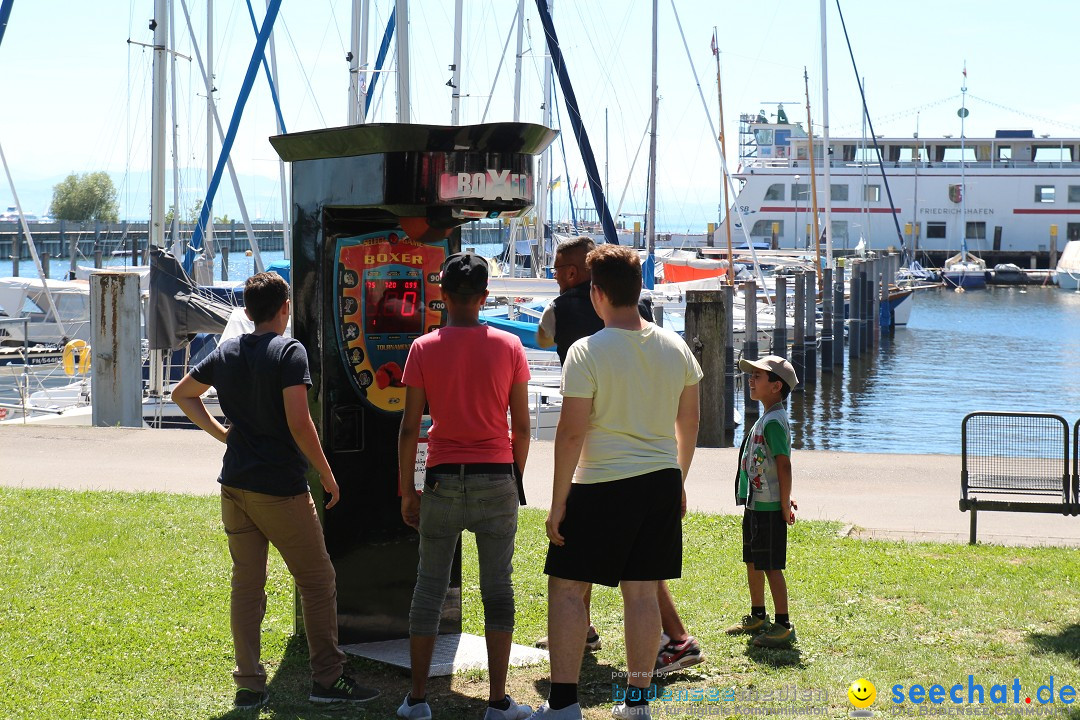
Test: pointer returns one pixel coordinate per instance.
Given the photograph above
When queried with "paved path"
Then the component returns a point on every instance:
(890, 496)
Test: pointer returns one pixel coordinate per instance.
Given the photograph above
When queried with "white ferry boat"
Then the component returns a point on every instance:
(1022, 191)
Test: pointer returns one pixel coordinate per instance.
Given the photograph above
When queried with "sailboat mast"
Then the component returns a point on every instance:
(723, 154)
(545, 163)
(157, 131)
(826, 155)
(354, 62)
(963, 164)
(402, 9)
(209, 229)
(455, 81)
(156, 236)
(650, 220)
(174, 226)
(813, 178)
(517, 59)
(286, 230)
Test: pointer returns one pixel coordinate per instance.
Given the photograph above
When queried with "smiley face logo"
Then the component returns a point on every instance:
(862, 693)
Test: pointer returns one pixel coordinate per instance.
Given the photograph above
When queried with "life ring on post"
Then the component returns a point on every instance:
(81, 349)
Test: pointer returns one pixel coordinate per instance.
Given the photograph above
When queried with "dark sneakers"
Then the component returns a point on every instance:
(344, 690)
(250, 699)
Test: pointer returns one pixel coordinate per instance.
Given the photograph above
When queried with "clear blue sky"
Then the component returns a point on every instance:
(76, 95)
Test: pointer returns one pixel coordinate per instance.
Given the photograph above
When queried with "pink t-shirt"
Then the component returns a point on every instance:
(466, 373)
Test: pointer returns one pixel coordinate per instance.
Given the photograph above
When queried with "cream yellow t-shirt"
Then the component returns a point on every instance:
(635, 379)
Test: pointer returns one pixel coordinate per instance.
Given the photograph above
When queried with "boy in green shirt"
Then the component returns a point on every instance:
(763, 484)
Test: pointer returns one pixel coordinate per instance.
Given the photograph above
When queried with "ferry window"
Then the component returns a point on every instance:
(764, 137)
(840, 192)
(763, 228)
(913, 155)
(935, 230)
(800, 192)
(775, 192)
(1044, 193)
(952, 154)
(976, 231)
(1053, 154)
(1074, 193)
(1004, 153)
(867, 155)
(819, 150)
(872, 193)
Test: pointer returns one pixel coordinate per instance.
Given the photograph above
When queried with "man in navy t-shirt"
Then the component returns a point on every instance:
(262, 381)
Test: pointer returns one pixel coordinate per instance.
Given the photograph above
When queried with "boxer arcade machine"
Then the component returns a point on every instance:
(376, 209)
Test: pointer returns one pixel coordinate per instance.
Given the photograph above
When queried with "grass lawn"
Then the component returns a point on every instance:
(116, 606)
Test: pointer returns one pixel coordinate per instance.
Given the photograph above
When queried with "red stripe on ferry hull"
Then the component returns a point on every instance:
(803, 209)
(1040, 211)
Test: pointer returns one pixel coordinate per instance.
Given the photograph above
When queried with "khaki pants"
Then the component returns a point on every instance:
(252, 522)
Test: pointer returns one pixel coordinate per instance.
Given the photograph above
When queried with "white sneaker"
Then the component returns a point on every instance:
(419, 711)
(570, 712)
(622, 710)
(514, 712)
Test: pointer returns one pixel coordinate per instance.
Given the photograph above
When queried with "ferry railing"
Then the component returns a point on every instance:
(780, 163)
(1023, 454)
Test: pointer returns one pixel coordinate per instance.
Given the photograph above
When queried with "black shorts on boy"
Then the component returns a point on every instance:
(764, 536)
(628, 529)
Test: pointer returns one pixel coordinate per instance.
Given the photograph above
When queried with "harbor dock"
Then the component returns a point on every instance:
(875, 496)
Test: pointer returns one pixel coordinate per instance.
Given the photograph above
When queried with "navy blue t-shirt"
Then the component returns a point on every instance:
(250, 373)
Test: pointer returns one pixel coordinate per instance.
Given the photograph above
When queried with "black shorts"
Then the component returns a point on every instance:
(764, 539)
(629, 529)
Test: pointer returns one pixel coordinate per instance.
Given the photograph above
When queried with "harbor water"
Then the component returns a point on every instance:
(1003, 349)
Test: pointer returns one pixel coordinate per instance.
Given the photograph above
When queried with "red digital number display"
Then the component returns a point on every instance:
(393, 306)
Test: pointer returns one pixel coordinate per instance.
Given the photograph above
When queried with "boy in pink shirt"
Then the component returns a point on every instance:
(468, 374)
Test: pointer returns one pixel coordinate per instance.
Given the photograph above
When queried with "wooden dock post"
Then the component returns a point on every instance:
(798, 328)
(838, 319)
(224, 260)
(1053, 247)
(115, 360)
(855, 306)
(826, 320)
(809, 376)
(729, 361)
(750, 340)
(706, 334)
(45, 264)
(73, 254)
(97, 244)
(869, 299)
(779, 333)
(16, 250)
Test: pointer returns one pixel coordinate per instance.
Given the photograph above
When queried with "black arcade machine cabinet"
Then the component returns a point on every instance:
(376, 209)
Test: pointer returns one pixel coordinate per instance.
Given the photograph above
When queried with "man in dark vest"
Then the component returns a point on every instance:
(567, 319)
(571, 316)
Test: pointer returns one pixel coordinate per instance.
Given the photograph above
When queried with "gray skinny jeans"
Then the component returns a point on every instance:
(486, 505)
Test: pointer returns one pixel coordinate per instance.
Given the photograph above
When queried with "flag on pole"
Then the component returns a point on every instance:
(555, 183)
(715, 49)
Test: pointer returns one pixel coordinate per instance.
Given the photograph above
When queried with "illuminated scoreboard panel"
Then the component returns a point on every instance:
(388, 294)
